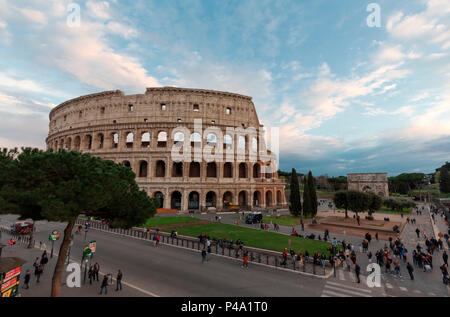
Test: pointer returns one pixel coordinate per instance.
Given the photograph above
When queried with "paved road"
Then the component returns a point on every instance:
(171, 271)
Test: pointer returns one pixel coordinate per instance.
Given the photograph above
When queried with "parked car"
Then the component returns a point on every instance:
(254, 217)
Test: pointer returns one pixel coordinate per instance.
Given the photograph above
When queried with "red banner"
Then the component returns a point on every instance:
(9, 284)
(14, 272)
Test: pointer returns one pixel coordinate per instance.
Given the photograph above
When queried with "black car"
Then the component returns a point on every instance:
(254, 217)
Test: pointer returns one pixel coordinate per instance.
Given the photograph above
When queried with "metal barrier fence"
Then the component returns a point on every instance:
(266, 257)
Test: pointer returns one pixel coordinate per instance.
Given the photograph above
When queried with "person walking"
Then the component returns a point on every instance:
(203, 255)
(209, 252)
(418, 232)
(27, 280)
(38, 272)
(445, 257)
(245, 260)
(104, 285)
(357, 271)
(410, 269)
(91, 274)
(119, 280)
(444, 270)
(96, 271)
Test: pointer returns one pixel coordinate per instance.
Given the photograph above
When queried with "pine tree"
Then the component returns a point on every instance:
(444, 181)
(296, 206)
(307, 205)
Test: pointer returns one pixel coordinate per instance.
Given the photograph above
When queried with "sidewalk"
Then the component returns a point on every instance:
(43, 288)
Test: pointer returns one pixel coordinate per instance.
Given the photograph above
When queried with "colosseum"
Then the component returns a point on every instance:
(194, 149)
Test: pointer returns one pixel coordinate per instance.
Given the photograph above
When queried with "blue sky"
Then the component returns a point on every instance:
(346, 97)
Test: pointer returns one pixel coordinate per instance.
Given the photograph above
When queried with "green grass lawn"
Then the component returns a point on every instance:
(385, 210)
(160, 221)
(284, 220)
(255, 238)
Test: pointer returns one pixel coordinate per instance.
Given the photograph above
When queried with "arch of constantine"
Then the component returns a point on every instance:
(376, 183)
(193, 149)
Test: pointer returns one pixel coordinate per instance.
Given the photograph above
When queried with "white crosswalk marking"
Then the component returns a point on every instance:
(332, 289)
(403, 288)
(417, 291)
(389, 285)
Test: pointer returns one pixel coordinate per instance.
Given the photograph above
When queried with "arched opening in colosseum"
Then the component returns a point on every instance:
(194, 200)
(227, 142)
(61, 144)
(177, 169)
(145, 139)
(211, 200)
(126, 163)
(160, 170)
(242, 170)
(175, 200)
(143, 169)
(196, 140)
(243, 199)
(162, 139)
(228, 170)
(100, 140)
(256, 170)
(241, 143)
(160, 197)
(88, 142)
(279, 198)
(257, 198)
(115, 140)
(194, 169)
(255, 145)
(367, 189)
(178, 138)
(211, 139)
(269, 199)
(211, 169)
(227, 199)
(77, 143)
(130, 140)
(69, 144)
(268, 173)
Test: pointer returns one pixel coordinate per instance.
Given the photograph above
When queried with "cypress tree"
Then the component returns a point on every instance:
(444, 181)
(296, 206)
(312, 194)
(307, 206)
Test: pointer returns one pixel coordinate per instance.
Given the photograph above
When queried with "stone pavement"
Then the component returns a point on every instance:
(43, 288)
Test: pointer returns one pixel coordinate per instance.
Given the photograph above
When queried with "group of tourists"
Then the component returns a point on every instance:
(39, 265)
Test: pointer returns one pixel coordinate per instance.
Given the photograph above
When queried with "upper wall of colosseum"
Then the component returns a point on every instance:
(158, 105)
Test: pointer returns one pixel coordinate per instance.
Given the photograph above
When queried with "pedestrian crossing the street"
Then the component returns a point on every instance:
(336, 286)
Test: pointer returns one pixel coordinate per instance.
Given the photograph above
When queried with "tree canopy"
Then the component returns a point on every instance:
(60, 186)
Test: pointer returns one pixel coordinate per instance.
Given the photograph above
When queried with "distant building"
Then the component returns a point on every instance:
(376, 183)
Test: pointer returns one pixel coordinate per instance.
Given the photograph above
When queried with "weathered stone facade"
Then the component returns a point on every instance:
(142, 130)
(376, 183)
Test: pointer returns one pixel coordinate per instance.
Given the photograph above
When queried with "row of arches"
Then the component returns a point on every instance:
(194, 170)
(112, 141)
(211, 200)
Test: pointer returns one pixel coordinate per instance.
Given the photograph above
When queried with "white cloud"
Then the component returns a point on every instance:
(34, 15)
(123, 30)
(98, 9)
